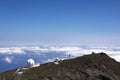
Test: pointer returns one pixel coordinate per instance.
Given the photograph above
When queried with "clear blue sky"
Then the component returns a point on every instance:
(59, 22)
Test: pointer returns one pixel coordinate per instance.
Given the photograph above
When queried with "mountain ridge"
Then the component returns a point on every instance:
(88, 67)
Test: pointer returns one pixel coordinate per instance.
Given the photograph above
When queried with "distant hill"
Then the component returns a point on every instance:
(88, 67)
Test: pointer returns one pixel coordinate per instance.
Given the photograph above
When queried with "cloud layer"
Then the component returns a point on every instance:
(75, 51)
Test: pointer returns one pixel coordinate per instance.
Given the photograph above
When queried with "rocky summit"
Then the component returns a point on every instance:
(96, 66)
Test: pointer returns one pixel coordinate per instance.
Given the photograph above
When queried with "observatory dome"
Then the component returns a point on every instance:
(30, 62)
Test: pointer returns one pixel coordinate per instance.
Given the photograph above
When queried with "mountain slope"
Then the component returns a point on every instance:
(88, 67)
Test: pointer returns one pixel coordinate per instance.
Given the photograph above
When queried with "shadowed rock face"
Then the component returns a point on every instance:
(89, 67)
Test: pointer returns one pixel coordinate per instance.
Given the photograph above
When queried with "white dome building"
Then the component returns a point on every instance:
(31, 63)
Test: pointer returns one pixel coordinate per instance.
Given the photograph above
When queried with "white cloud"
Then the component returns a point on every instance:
(116, 57)
(11, 50)
(8, 59)
(53, 59)
(5, 50)
(49, 60)
(65, 48)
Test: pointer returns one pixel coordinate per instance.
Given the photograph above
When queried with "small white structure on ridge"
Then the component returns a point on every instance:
(56, 60)
(69, 56)
(18, 74)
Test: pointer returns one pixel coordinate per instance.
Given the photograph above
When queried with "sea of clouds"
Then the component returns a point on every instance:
(113, 52)
(16, 56)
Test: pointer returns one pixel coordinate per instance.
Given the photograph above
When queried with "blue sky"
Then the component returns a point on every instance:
(70, 22)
